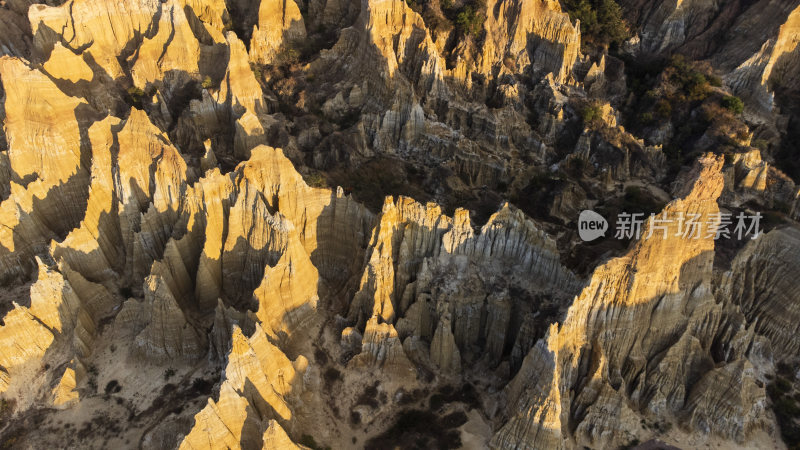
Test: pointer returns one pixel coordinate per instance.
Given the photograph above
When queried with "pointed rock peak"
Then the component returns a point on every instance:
(461, 219)
(704, 181)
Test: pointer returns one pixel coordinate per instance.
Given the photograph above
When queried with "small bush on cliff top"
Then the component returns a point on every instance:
(733, 103)
(135, 96)
(591, 114)
(601, 21)
(467, 17)
(470, 22)
(693, 84)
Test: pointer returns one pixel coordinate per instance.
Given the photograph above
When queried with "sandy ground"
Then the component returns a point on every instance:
(118, 418)
(476, 433)
(759, 440)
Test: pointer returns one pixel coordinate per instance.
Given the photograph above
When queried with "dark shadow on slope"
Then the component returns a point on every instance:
(244, 16)
(60, 211)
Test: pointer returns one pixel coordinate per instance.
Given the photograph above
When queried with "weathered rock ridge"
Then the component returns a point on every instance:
(178, 271)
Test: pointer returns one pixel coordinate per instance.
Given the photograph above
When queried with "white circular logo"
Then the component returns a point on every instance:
(591, 225)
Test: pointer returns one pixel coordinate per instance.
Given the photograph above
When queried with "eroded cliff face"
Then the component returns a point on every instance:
(758, 283)
(648, 337)
(176, 273)
(752, 44)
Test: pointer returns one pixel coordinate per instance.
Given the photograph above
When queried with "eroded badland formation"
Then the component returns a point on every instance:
(351, 223)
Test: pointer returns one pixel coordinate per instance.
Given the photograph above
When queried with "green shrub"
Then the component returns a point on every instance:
(691, 82)
(664, 108)
(469, 21)
(256, 69)
(609, 18)
(317, 180)
(207, 83)
(135, 92)
(697, 87)
(135, 96)
(287, 57)
(591, 113)
(466, 17)
(733, 103)
(601, 21)
(761, 144)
